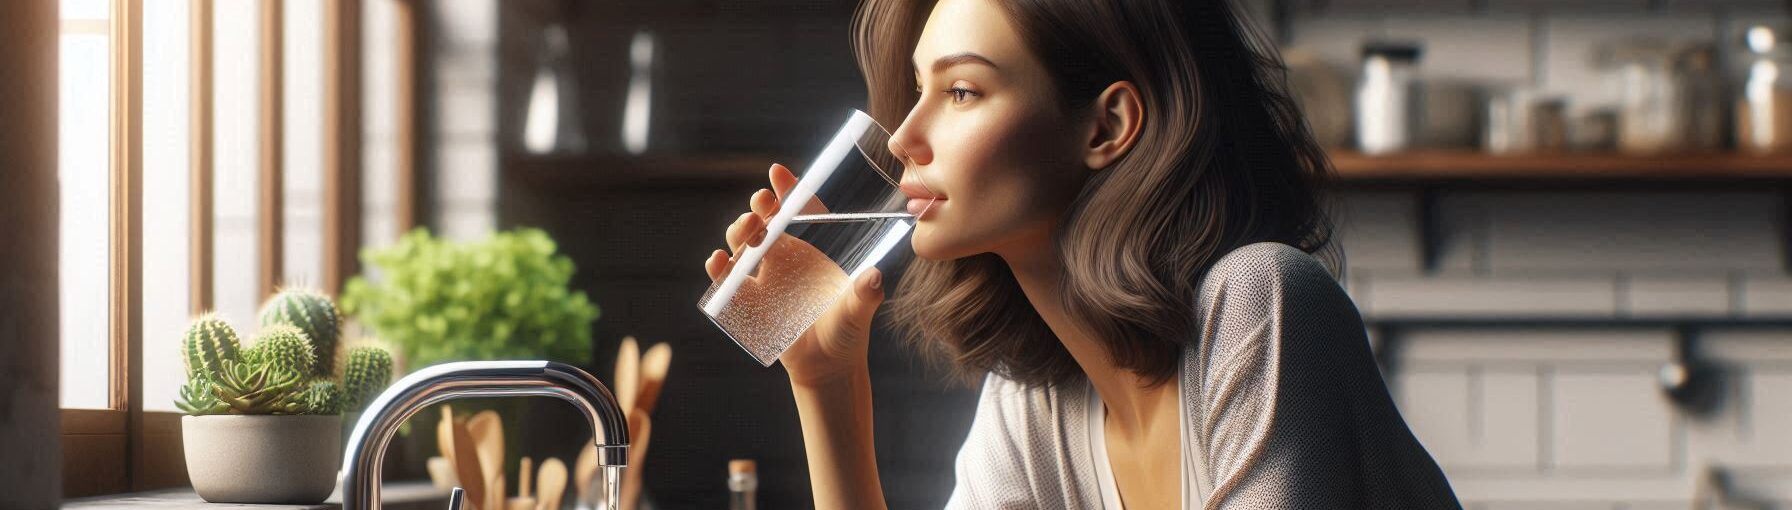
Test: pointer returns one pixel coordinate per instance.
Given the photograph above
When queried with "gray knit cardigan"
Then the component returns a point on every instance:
(1281, 395)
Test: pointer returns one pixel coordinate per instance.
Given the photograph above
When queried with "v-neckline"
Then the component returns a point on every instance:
(1104, 471)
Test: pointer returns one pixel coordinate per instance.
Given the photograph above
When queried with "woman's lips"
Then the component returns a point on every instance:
(920, 198)
(919, 206)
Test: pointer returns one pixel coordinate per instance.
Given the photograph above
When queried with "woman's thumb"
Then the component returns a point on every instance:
(867, 294)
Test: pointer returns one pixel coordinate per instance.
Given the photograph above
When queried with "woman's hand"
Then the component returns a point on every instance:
(835, 347)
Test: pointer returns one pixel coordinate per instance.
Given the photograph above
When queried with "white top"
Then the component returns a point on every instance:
(1282, 403)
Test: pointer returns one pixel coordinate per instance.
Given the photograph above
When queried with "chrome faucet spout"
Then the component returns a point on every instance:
(366, 451)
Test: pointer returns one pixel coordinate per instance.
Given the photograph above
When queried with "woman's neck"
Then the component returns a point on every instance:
(1132, 406)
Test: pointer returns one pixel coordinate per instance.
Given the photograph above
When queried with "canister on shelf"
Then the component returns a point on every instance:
(1386, 96)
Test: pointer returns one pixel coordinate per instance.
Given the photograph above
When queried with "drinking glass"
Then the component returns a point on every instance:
(842, 218)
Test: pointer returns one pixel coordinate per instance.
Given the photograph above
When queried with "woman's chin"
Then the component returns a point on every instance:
(925, 247)
(929, 247)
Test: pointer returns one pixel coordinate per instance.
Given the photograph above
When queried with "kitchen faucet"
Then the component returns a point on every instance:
(366, 452)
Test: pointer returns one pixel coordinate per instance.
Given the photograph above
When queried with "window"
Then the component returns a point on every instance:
(174, 114)
(82, 151)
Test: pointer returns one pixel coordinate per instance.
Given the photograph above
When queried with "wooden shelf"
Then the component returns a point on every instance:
(1441, 165)
(1419, 167)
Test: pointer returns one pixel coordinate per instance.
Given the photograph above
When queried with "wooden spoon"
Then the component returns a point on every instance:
(466, 465)
(628, 372)
(653, 374)
(550, 484)
(488, 436)
(639, 426)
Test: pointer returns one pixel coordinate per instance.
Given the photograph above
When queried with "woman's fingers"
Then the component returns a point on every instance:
(764, 203)
(783, 180)
(745, 231)
(717, 265)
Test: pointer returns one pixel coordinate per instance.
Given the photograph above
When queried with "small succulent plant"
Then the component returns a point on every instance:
(196, 398)
(282, 347)
(311, 312)
(208, 342)
(253, 388)
(366, 374)
(323, 397)
(285, 369)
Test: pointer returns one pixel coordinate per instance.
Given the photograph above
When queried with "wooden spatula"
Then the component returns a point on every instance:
(466, 465)
(445, 434)
(653, 374)
(488, 435)
(628, 373)
(550, 484)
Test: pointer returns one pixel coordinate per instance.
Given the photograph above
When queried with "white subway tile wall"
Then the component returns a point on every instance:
(1670, 295)
(1573, 416)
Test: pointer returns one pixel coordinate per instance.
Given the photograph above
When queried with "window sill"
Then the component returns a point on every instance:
(400, 495)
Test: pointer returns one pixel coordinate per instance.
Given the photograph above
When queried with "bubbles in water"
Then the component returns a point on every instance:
(795, 284)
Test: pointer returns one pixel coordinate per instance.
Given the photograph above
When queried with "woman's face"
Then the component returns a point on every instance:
(987, 138)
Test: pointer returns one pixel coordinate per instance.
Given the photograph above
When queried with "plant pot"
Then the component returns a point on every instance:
(263, 459)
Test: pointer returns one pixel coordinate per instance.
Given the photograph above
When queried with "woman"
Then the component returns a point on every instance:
(1124, 204)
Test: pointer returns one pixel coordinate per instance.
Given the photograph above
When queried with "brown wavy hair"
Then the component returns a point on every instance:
(1224, 159)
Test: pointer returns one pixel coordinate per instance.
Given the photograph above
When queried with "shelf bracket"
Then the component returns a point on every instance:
(1430, 228)
(1786, 227)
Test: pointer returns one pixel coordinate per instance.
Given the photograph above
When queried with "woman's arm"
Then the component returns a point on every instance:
(1296, 414)
(837, 438)
(827, 365)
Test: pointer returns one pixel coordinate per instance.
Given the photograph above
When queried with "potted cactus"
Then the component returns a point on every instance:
(258, 414)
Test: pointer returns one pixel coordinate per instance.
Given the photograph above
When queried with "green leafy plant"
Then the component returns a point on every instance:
(283, 371)
(503, 297)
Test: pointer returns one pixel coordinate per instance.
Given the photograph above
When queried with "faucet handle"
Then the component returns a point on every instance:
(456, 498)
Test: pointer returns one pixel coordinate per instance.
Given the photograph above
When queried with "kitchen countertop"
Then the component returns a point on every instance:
(416, 494)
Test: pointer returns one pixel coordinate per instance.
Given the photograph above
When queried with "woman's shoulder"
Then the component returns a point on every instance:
(1268, 271)
(1266, 287)
(1268, 261)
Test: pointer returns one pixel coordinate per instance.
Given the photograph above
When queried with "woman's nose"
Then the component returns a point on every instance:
(908, 146)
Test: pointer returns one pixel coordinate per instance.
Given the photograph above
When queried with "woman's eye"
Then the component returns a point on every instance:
(959, 94)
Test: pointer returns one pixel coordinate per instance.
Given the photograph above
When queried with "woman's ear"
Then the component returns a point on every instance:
(1117, 116)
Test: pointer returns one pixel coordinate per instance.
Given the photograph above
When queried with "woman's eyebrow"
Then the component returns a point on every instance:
(942, 63)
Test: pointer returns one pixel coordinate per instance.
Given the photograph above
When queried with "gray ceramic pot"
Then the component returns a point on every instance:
(263, 459)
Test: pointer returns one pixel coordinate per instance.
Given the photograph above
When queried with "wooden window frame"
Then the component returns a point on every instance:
(123, 448)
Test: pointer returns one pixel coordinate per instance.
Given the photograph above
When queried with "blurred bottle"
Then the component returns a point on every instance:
(1650, 117)
(1386, 97)
(1519, 120)
(1764, 107)
(1702, 98)
(743, 485)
